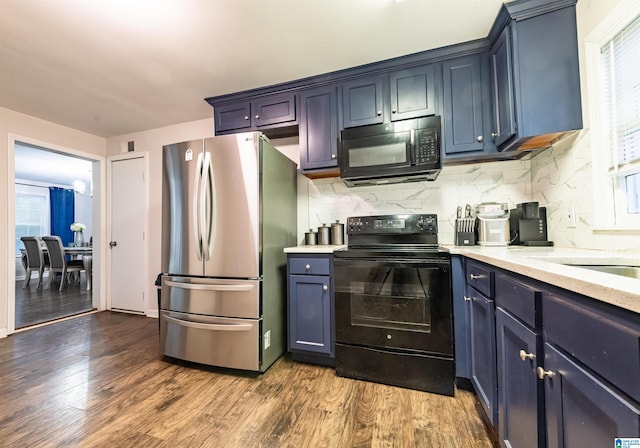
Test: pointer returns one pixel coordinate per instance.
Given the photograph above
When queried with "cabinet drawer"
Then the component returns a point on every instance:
(480, 277)
(520, 299)
(309, 266)
(606, 343)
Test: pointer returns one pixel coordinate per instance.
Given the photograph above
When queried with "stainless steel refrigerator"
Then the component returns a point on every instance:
(229, 209)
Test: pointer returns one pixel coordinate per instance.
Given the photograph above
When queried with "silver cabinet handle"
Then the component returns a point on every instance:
(467, 299)
(205, 326)
(246, 117)
(257, 117)
(494, 134)
(524, 355)
(544, 373)
(475, 276)
(239, 287)
(333, 156)
(325, 287)
(379, 113)
(479, 138)
(307, 267)
(393, 111)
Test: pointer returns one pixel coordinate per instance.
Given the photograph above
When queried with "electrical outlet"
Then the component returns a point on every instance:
(267, 339)
(570, 216)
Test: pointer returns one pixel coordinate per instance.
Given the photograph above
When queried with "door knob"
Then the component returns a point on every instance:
(113, 243)
(542, 373)
(524, 355)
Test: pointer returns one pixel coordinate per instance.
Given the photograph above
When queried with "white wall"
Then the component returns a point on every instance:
(26, 128)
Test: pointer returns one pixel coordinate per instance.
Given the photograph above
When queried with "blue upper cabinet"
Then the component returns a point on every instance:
(467, 119)
(502, 84)
(362, 102)
(536, 77)
(258, 113)
(318, 130)
(412, 92)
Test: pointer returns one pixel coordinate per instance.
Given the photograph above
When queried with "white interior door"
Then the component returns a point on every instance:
(128, 211)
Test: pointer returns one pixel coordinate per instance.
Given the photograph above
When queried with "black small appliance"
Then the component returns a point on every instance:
(528, 223)
(401, 151)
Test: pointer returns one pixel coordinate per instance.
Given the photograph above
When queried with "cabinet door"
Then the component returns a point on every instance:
(483, 352)
(318, 126)
(412, 92)
(274, 109)
(520, 422)
(463, 106)
(503, 93)
(233, 116)
(310, 313)
(581, 410)
(362, 101)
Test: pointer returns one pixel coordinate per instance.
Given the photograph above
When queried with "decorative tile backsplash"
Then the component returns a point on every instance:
(510, 182)
(556, 178)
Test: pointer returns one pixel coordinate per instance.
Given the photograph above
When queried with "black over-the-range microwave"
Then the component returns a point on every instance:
(401, 151)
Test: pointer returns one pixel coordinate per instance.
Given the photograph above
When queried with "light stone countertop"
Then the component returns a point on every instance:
(319, 249)
(547, 264)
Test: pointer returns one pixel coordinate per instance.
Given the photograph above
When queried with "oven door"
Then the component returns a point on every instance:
(395, 303)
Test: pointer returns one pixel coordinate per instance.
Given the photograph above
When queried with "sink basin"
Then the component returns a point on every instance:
(626, 271)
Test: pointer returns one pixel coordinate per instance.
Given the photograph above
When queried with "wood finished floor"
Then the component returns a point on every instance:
(37, 305)
(98, 381)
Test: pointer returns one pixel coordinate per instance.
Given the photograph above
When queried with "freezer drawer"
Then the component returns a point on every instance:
(214, 341)
(212, 297)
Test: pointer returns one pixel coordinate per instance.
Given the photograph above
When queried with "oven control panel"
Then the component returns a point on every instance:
(393, 224)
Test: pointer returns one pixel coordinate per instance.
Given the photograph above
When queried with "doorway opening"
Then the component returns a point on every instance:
(53, 194)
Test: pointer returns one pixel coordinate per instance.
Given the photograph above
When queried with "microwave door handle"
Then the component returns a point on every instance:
(412, 148)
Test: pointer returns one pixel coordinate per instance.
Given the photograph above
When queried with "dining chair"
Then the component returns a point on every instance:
(58, 261)
(36, 258)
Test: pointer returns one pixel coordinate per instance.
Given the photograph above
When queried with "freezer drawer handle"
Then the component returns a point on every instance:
(202, 326)
(233, 288)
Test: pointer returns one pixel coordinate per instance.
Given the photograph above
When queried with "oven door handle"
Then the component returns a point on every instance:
(205, 326)
(206, 287)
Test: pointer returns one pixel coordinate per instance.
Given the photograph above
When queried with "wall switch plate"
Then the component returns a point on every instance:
(570, 216)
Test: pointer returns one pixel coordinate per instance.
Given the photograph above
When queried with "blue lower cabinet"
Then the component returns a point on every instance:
(520, 410)
(310, 310)
(581, 410)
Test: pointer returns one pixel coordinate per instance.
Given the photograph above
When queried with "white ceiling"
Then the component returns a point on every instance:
(112, 67)
(35, 165)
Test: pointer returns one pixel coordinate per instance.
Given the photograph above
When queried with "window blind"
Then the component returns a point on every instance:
(621, 95)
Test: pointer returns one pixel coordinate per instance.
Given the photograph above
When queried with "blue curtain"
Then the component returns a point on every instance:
(62, 208)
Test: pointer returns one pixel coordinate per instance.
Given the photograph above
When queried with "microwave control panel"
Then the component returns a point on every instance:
(426, 147)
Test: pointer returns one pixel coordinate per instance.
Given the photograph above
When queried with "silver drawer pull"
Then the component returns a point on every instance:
(544, 373)
(206, 287)
(467, 299)
(524, 355)
(475, 276)
(205, 326)
(307, 267)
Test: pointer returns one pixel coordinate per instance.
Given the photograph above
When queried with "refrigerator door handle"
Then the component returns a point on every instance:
(213, 327)
(208, 207)
(202, 287)
(197, 233)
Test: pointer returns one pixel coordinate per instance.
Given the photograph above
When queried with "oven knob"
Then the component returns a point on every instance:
(388, 336)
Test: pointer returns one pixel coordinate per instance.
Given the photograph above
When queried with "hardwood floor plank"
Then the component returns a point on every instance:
(99, 381)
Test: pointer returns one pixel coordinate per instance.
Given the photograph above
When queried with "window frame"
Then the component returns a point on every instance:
(609, 190)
